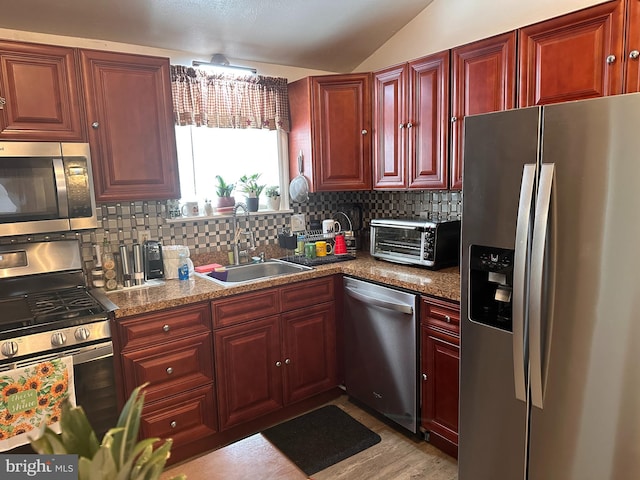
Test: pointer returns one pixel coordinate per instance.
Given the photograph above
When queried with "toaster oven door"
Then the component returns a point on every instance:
(398, 244)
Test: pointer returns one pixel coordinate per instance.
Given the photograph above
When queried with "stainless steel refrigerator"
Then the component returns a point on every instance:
(550, 309)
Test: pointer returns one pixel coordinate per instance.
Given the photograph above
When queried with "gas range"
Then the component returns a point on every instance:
(45, 304)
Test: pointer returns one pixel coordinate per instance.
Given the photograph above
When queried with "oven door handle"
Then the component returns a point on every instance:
(92, 354)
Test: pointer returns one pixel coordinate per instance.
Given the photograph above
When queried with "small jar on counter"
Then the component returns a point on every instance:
(97, 279)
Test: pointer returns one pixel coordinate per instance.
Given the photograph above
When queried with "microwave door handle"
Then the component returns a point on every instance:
(523, 235)
(61, 188)
(542, 283)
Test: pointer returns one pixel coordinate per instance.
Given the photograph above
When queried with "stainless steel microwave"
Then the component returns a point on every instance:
(430, 243)
(45, 187)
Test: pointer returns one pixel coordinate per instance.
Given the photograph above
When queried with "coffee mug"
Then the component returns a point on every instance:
(190, 209)
(330, 226)
(310, 250)
(322, 248)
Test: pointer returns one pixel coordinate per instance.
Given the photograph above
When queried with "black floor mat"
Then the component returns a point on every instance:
(318, 439)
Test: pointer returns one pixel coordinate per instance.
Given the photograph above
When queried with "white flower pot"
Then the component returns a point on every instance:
(273, 203)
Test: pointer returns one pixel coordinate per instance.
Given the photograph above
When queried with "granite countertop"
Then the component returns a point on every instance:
(443, 283)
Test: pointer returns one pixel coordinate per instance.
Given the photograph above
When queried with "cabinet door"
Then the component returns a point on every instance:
(248, 370)
(342, 132)
(632, 47)
(440, 387)
(390, 133)
(132, 137)
(428, 125)
(309, 351)
(572, 57)
(40, 87)
(484, 80)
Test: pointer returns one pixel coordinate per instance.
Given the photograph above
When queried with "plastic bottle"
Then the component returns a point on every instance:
(183, 267)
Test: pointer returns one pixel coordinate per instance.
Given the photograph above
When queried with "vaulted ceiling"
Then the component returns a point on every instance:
(332, 35)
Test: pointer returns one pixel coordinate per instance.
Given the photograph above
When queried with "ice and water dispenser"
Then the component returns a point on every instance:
(491, 277)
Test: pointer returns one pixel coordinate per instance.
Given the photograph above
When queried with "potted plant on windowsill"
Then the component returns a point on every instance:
(223, 190)
(273, 197)
(248, 184)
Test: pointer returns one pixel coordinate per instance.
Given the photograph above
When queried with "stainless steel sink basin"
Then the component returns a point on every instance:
(238, 274)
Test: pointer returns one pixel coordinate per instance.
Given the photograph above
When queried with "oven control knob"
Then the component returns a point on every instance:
(58, 339)
(82, 334)
(9, 349)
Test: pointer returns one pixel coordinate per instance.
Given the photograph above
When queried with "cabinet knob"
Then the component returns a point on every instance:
(2, 102)
(169, 371)
(634, 54)
(278, 363)
(611, 59)
(401, 126)
(173, 424)
(95, 125)
(424, 377)
(447, 318)
(166, 328)
(409, 125)
(454, 119)
(287, 361)
(364, 131)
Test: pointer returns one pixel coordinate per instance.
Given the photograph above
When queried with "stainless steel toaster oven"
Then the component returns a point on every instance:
(416, 241)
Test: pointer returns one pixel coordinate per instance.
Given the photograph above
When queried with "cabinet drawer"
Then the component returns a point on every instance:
(303, 294)
(170, 368)
(245, 307)
(185, 417)
(436, 313)
(165, 326)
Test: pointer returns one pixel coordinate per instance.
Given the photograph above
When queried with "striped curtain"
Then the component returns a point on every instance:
(226, 101)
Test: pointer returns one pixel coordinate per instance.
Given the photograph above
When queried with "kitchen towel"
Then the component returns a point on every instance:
(31, 396)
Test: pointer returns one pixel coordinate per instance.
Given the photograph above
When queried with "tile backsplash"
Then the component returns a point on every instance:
(126, 222)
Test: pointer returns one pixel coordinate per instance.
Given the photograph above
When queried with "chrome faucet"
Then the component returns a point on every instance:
(237, 253)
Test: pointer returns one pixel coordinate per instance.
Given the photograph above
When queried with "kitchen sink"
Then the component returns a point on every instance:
(239, 274)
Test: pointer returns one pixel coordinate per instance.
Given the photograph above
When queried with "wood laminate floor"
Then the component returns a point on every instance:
(396, 457)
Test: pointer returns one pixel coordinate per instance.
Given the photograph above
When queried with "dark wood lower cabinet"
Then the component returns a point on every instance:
(440, 363)
(268, 362)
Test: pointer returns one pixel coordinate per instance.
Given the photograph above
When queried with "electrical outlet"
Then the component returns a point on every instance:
(298, 222)
(143, 235)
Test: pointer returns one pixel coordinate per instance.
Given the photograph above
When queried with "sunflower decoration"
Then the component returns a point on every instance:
(46, 369)
(59, 387)
(22, 428)
(6, 417)
(43, 401)
(33, 383)
(10, 389)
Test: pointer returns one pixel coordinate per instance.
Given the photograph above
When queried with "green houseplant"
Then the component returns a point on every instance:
(223, 191)
(273, 197)
(248, 184)
(119, 456)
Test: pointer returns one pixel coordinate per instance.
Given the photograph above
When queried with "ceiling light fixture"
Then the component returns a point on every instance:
(219, 62)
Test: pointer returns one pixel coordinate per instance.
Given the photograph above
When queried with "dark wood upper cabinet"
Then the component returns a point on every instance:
(484, 80)
(411, 113)
(40, 91)
(330, 125)
(632, 47)
(573, 57)
(131, 131)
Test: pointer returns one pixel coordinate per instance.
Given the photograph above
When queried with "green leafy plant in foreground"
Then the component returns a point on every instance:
(119, 457)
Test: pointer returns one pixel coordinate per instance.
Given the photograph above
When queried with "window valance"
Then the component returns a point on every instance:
(226, 101)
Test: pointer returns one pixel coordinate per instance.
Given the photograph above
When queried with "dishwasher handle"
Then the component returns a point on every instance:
(398, 307)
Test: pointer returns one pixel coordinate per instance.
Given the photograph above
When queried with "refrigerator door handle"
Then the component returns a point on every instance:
(542, 284)
(523, 234)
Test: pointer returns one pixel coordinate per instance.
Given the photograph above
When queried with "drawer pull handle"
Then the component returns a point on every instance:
(166, 328)
(447, 318)
(173, 424)
(169, 371)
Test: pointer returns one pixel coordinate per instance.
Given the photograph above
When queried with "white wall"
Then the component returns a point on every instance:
(176, 57)
(449, 23)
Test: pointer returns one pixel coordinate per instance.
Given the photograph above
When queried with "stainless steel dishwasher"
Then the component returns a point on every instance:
(380, 350)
